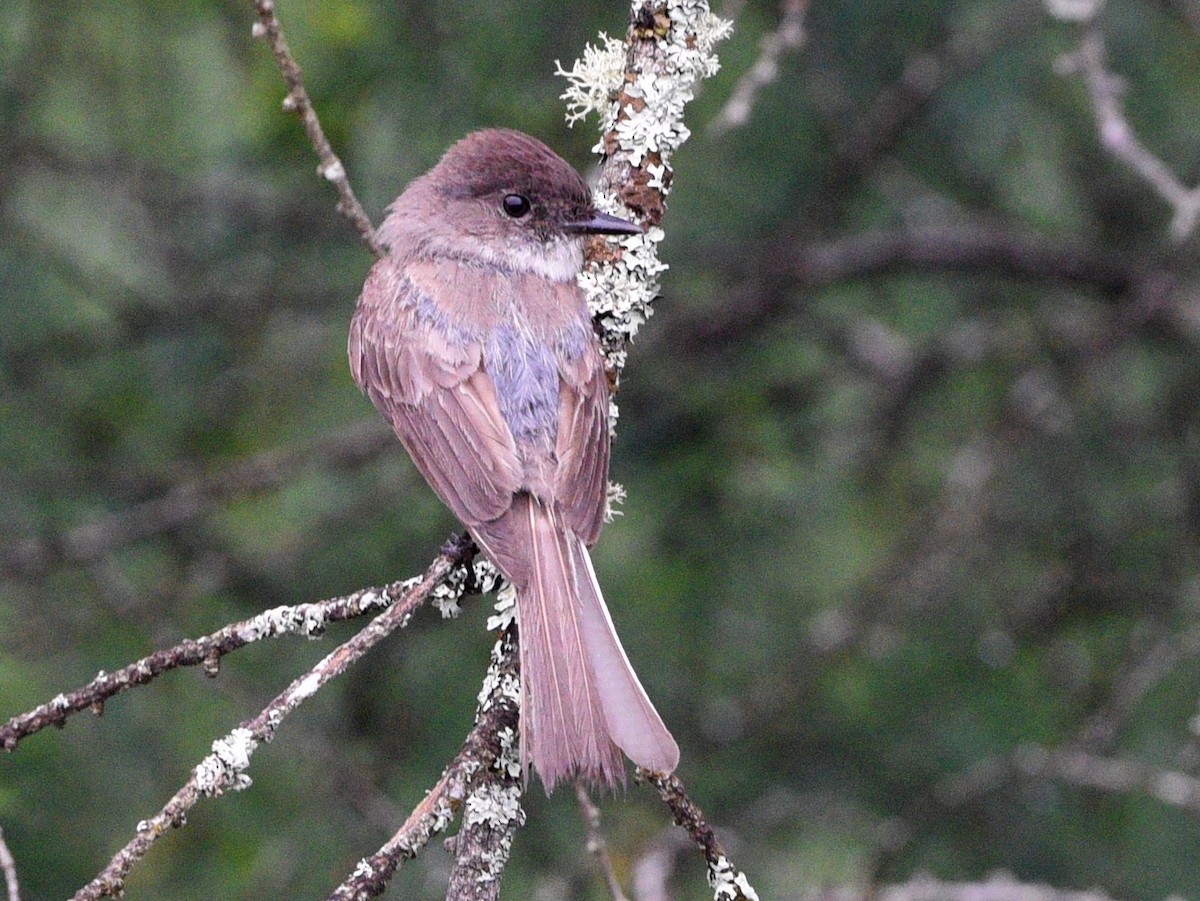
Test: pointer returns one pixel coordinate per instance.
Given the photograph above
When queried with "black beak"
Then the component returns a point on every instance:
(603, 224)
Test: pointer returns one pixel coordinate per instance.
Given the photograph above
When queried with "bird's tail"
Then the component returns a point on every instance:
(581, 702)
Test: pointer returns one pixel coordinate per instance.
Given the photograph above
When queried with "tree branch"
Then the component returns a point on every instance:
(789, 35)
(188, 501)
(298, 102)
(488, 748)
(728, 882)
(596, 844)
(9, 867)
(1118, 137)
(224, 769)
(309, 620)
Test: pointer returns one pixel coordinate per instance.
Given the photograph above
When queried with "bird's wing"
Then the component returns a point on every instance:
(428, 379)
(581, 481)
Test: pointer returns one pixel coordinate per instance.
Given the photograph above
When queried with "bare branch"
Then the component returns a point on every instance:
(484, 750)
(788, 36)
(9, 867)
(1110, 774)
(1118, 137)
(728, 882)
(224, 769)
(596, 844)
(297, 101)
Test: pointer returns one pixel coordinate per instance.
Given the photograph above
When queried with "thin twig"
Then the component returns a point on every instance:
(224, 769)
(308, 619)
(9, 867)
(729, 883)
(1118, 137)
(596, 843)
(481, 751)
(298, 102)
(789, 35)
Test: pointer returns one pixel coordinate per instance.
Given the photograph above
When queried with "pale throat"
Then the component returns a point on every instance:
(560, 259)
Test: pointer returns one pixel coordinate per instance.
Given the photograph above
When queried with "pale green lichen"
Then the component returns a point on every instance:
(593, 78)
(225, 767)
(642, 111)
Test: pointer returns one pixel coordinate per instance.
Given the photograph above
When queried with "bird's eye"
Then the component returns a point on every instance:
(515, 205)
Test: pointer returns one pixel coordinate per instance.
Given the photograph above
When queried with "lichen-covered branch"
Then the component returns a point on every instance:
(728, 882)
(492, 810)
(489, 748)
(640, 88)
(225, 768)
(309, 620)
(298, 102)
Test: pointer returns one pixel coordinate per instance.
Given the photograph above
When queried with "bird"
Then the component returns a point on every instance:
(473, 338)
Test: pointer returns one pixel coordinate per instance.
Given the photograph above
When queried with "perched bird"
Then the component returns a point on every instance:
(474, 340)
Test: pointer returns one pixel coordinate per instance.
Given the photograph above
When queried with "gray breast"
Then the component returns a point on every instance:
(525, 373)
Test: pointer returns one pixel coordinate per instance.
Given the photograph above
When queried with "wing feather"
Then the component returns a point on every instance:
(583, 444)
(432, 388)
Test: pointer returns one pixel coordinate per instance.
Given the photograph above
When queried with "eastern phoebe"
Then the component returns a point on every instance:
(474, 340)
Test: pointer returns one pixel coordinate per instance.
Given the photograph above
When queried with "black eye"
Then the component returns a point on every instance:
(516, 205)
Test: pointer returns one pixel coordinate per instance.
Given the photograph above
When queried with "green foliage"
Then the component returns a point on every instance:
(884, 527)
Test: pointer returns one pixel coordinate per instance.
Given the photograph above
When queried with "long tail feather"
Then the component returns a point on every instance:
(582, 703)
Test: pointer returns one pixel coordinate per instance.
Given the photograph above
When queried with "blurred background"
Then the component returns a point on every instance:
(912, 445)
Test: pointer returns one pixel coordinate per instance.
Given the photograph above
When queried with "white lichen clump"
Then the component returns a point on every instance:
(506, 609)
(497, 687)
(447, 595)
(729, 884)
(225, 767)
(498, 807)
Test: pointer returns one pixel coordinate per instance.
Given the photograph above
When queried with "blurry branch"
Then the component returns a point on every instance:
(297, 101)
(1133, 682)
(224, 769)
(653, 870)
(1084, 762)
(763, 296)
(873, 134)
(728, 882)
(188, 501)
(488, 757)
(1080, 768)
(596, 844)
(788, 36)
(9, 867)
(1117, 136)
(309, 620)
(1000, 887)
(965, 248)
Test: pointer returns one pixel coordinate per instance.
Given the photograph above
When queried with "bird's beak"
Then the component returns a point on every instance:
(603, 224)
